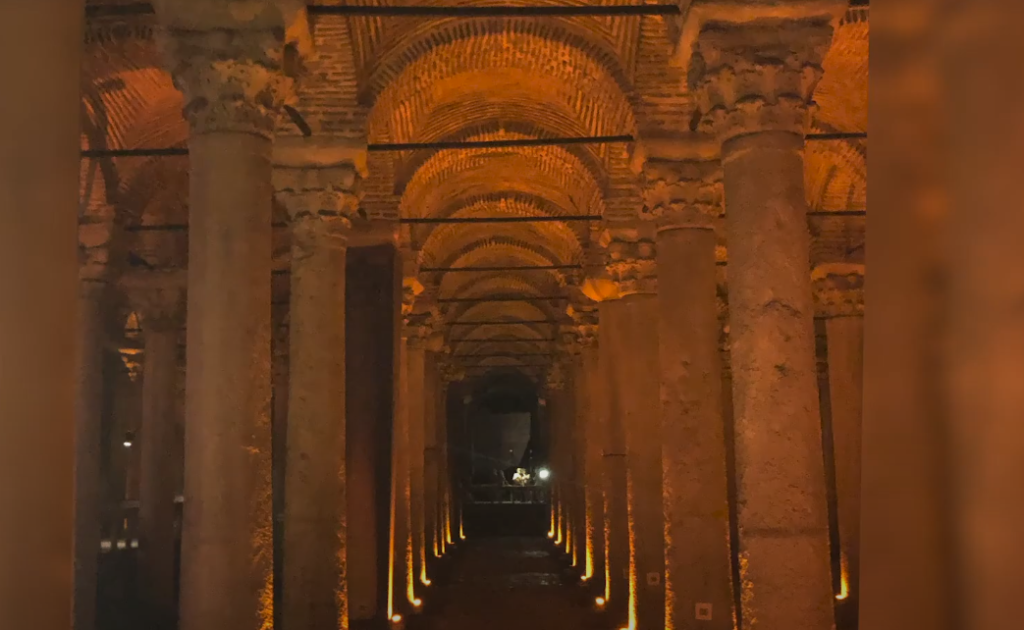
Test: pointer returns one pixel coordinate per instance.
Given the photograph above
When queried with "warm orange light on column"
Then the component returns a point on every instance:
(844, 583)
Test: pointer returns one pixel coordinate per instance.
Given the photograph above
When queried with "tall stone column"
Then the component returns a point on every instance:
(635, 377)
(416, 366)
(431, 466)
(839, 297)
(88, 436)
(279, 442)
(683, 194)
(616, 504)
(577, 443)
(553, 412)
(592, 425)
(159, 299)
(753, 84)
(232, 108)
(39, 191)
(318, 186)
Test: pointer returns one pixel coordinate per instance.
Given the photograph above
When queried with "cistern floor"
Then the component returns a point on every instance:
(509, 583)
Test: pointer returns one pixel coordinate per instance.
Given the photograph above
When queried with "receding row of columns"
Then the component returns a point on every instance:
(665, 454)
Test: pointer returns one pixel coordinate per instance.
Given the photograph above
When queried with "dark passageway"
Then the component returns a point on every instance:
(506, 583)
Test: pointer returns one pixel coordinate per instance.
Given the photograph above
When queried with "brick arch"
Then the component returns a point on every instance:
(396, 49)
(508, 121)
(501, 202)
(835, 176)
(545, 283)
(541, 171)
(554, 243)
(558, 74)
(492, 254)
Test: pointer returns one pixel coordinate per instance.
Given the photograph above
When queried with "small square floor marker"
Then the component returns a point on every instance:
(703, 611)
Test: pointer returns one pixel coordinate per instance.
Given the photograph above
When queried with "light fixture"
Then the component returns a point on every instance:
(551, 534)
(600, 601)
(426, 581)
(417, 602)
(396, 618)
(543, 473)
(129, 438)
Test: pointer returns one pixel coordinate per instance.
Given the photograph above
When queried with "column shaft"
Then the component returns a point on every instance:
(88, 436)
(637, 379)
(781, 491)
(226, 565)
(315, 590)
(39, 169)
(616, 518)
(416, 407)
(697, 560)
(402, 573)
(594, 471)
(431, 467)
(578, 441)
(158, 478)
(845, 338)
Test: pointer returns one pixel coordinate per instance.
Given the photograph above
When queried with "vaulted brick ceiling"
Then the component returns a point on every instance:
(401, 79)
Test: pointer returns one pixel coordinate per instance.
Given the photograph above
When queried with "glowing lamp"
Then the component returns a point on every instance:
(600, 601)
(396, 618)
(551, 534)
(417, 602)
(543, 474)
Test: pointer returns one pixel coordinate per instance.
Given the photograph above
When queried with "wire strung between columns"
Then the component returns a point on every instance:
(145, 8)
(440, 146)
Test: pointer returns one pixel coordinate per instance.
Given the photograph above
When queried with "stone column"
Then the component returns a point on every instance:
(753, 85)
(88, 430)
(318, 187)
(279, 442)
(554, 404)
(839, 297)
(616, 504)
(683, 194)
(592, 425)
(431, 467)
(635, 377)
(416, 407)
(159, 299)
(232, 108)
(577, 444)
(40, 547)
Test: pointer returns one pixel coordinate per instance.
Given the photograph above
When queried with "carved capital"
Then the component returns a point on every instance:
(756, 77)
(158, 297)
(630, 262)
(232, 79)
(586, 325)
(682, 194)
(838, 290)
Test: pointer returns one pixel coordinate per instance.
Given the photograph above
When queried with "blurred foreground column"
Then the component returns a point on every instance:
(39, 168)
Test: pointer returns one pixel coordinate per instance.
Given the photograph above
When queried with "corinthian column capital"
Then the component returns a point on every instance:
(630, 262)
(758, 76)
(838, 289)
(232, 79)
(681, 181)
